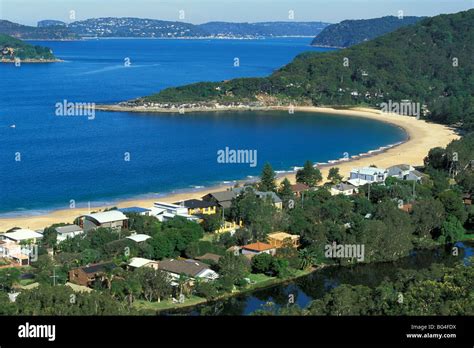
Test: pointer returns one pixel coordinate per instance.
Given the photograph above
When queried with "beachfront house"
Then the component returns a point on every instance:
(113, 219)
(258, 248)
(22, 235)
(136, 210)
(282, 239)
(345, 189)
(224, 198)
(417, 176)
(19, 246)
(167, 211)
(14, 252)
(367, 175)
(400, 171)
(198, 207)
(272, 196)
(405, 172)
(88, 275)
(68, 231)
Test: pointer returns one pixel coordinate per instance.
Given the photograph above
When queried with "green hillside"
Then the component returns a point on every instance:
(429, 62)
(11, 48)
(351, 32)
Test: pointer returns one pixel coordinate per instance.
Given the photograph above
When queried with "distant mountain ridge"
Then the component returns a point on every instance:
(23, 32)
(351, 32)
(51, 23)
(266, 29)
(109, 27)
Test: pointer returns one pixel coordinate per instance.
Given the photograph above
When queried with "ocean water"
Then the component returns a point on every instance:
(47, 160)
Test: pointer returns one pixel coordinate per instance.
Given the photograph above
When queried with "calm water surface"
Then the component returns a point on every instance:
(73, 158)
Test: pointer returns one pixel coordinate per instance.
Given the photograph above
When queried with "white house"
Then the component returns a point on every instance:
(12, 245)
(113, 219)
(22, 234)
(138, 262)
(258, 248)
(367, 175)
(68, 231)
(343, 189)
(405, 172)
(416, 176)
(14, 251)
(167, 211)
(138, 238)
(400, 171)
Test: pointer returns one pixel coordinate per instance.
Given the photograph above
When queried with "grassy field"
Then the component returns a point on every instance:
(168, 304)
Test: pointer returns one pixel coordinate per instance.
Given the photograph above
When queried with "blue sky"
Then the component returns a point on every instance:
(200, 11)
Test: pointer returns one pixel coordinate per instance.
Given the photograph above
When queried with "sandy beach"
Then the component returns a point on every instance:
(422, 137)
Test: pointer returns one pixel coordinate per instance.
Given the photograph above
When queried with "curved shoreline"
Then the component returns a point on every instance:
(421, 137)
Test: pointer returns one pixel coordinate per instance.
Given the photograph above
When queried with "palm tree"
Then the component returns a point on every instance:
(182, 281)
(307, 258)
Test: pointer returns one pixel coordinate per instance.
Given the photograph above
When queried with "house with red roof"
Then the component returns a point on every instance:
(258, 248)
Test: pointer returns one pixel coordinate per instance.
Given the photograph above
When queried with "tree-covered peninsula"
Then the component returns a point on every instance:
(428, 63)
(12, 49)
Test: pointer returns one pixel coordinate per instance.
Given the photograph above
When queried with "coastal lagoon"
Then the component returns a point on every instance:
(317, 284)
(48, 160)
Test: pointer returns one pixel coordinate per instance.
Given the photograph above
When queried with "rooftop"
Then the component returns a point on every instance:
(298, 187)
(138, 237)
(209, 256)
(357, 182)
(401, 167)
(282, 236)
(196, 203)
(166, 205)
(138, 262)
(68, 229)
(98, 267)
(368, 171)
(22, 234)
(107, 216)
(134, 210)
(343, 186)
(258, 246)
(190, 268)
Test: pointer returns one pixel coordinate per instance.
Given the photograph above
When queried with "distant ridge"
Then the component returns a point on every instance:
(351, 32)
(130, 27)
(24, 32)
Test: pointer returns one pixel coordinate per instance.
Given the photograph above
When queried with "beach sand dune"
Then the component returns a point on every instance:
(422, 137)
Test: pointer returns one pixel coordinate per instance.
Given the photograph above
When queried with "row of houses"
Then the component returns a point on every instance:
(373, 175)
(192, 269)
(174, 268)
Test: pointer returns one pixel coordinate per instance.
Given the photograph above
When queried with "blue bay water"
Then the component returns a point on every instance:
(73, 158)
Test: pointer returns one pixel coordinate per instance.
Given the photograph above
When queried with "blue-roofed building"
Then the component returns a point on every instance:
(135, 210)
